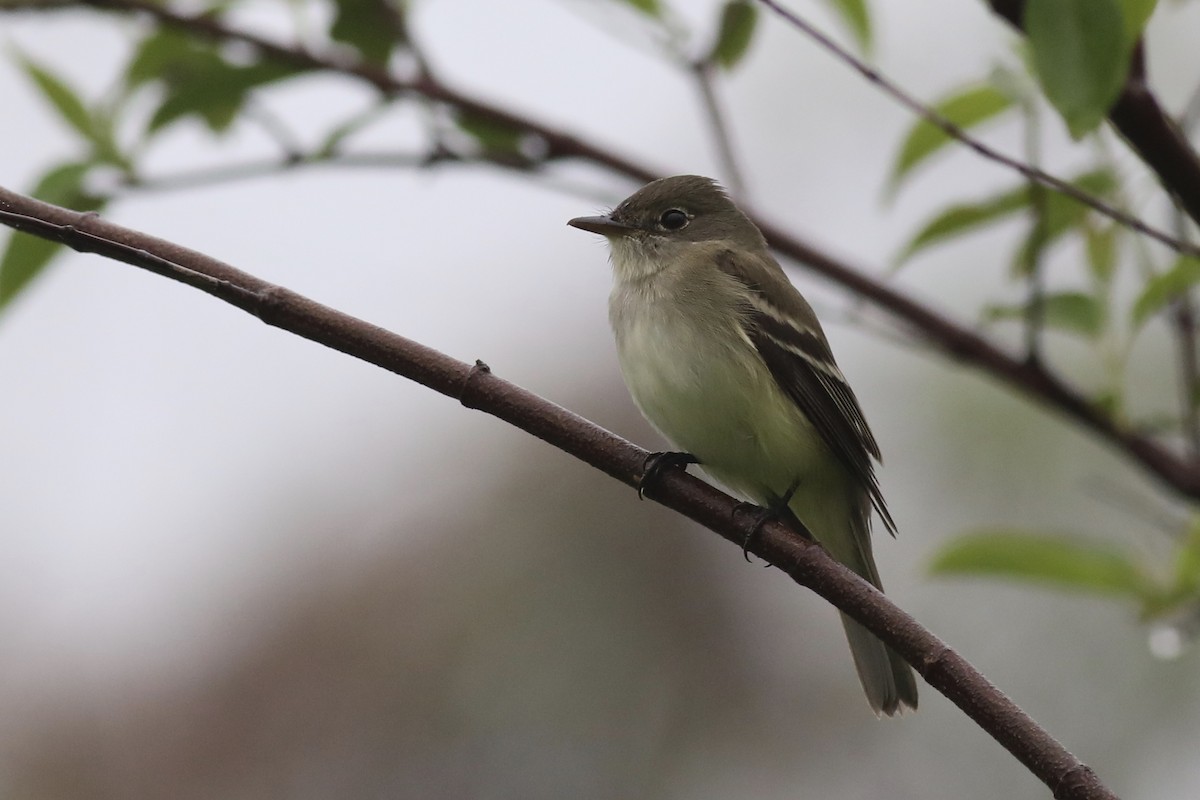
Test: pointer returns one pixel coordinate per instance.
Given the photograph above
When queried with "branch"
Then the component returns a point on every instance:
(1147, 128)
(1035, 317)
(476, 387)
(557, 144)
(1183, 316)
(958, 342)
(251, 169)
(968, 347)
(1027, 171)
(702, 71)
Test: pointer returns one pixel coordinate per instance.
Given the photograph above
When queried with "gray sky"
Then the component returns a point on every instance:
(176, 473)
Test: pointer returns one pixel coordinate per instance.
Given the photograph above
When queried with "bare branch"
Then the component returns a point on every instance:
(1147, 128)
(257, 168)
(941, 332)
(967, 346)
(1035, 316)
(476, 387)
(1028, 171)
(1183, 316)
(736, 181)
(275, 128)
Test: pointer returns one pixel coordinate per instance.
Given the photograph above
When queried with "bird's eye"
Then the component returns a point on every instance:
(673, 219)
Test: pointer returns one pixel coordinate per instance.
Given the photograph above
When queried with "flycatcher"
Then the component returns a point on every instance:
(728, 361)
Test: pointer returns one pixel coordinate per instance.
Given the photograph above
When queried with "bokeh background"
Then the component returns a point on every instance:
(235, 564)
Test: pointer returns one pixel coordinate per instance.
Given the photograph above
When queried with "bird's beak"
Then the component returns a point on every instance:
(605, 226)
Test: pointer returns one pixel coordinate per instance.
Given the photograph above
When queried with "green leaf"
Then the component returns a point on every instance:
(966, 108)
(61, 96)
(1182, 593)
(963, 218)
(1187, 560)
(27, 255)
(216, 94)
(1162, 289)
(372, 27)
(857, 17)
(158, 56)
(1101, 246)
(493, 135)
(1070, 312)
(1061, 214)
(1064, 212)
(1109, 402)
(196, 80)
(1136, 14)
(738, 20)
(1081, 53)
(1057, 560)
(652, 8)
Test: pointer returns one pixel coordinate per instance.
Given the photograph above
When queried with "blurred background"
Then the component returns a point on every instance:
(235, 564)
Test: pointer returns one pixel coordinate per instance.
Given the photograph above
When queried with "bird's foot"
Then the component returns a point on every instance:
(776, 510)
(762, 515)
(656, 463)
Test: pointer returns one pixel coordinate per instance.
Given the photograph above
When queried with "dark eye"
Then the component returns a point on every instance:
(673, 219)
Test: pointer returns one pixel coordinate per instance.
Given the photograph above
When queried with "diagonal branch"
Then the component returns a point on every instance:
(970, 348)
(252, 169)
(557, 144)
(476, 387)
(1147, 128)
(702, 71)
(1026, 170)
(957, 341)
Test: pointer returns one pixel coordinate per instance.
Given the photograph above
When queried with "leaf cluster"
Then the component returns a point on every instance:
(1076, 59)
(1077, 563)
(184, 78)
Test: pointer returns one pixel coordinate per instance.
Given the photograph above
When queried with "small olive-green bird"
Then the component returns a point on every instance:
(729, 362)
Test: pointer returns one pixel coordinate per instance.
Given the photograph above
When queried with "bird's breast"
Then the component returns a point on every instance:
(699, 380)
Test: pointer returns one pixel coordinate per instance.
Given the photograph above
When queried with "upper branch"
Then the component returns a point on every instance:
(1026, 170)
(476, 387)
(1149, 130)
(941, 332)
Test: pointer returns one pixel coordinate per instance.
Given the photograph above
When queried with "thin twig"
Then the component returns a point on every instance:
(257, 168)
(274, 127)
(950, 129)
(956, 341)
(476, 387)
(734, 179)
(1035, 316)
(1145, 126)
(1184, 318)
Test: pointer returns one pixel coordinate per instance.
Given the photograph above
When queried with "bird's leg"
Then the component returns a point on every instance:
(776, 508)
(652, 470)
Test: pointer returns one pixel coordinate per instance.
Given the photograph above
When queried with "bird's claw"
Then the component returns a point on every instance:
(778, 511)
(761, 517)
(657, 462)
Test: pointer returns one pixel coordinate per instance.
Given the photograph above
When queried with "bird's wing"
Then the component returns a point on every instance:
(788, 337)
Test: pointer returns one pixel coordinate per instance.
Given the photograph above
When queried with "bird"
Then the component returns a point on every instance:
(727, 360)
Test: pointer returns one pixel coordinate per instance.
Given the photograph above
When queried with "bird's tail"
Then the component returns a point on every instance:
(886, 678)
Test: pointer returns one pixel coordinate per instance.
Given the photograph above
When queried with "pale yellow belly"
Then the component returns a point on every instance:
(711, 396)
